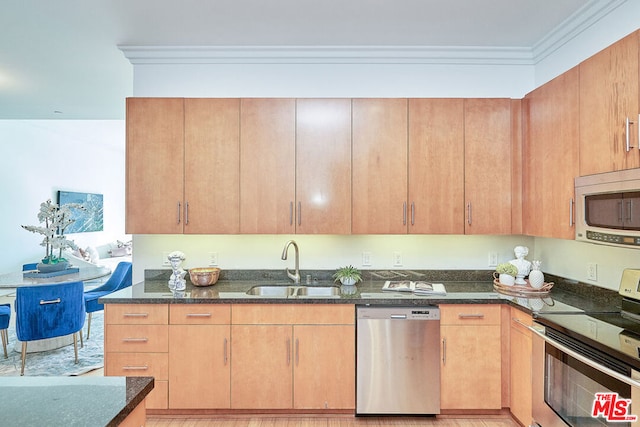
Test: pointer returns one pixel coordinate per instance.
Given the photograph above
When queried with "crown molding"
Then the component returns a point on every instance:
(571, 27)
(327, 55)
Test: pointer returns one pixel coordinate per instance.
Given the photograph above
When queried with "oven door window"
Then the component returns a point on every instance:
(570, 387)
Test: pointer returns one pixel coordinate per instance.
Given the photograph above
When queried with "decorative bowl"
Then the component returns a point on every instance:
(204, 276)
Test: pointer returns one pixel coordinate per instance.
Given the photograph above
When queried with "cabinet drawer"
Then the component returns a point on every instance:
(199, 314)
(136, 314)
(139, 338)
(292, 314)
(469, 314)
(137, 365)
(520, 320)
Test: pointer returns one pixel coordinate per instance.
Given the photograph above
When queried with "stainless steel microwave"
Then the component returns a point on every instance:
(608, 208)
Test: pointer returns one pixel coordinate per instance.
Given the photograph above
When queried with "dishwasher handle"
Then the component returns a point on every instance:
(398, 316)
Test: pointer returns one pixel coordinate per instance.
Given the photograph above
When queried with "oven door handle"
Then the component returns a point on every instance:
(607, 371)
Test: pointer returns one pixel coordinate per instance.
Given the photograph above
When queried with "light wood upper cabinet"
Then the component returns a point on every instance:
(154, 165)
(267, 166)
(212, 166)
(551, 156)
(182, 166)
(488, 166)
(379, 166)
(436, 168)
(323, 166)
(609, 96)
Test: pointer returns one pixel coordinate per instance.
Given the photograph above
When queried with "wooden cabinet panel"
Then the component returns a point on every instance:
(521, 375)
(551, 157)
(324, 374)
(470, 314)
(262, 368)
(323, 166)
(199, 314)
(138, 338)
(487, 166)
(199, 366)
(154, 153)
(436, 168)
(211, 166)
(609, 94)
(136, 314)
(137, 365)
(471, 369)
(267, 166)
(379, 177)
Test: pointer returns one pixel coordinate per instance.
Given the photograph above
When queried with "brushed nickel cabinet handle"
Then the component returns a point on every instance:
(179, 206)
(299, 213)
(469, 213)
(413, 213)
(404, 213)
(135, 339)
(571, 215)
(627, 135)
(136, 314)
(444, 351)
(471, 316)
(225, 356)
(288, 352)
(290, 213)
(186, 213)
(198, 314)
(135, 368)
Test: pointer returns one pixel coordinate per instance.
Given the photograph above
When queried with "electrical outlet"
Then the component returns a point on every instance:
(213, 259)
(165, 259)
(592, 271)
(366, 259)
(493, 259)
(397, 259)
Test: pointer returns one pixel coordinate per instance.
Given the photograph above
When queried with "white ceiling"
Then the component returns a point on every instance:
(60, 59)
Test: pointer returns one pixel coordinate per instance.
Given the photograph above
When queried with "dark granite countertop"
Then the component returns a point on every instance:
(462, 286)
(71, 401)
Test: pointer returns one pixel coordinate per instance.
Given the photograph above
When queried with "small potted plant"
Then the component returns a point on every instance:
(507, 273)
(348, 275)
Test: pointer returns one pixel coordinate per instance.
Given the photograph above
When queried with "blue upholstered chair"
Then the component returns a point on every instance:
(120, 279)
(5, 316)
(48, 311)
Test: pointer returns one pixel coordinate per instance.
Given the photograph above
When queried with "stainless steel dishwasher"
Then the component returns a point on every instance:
(398, 360)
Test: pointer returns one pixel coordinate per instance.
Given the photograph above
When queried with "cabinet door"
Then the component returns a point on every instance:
(262, 367)
(323, 166)
(609, 93)
(212, 166)
(470, 376)
(551, 157)
(487, 170)
(521, 350)
(379, 166)
(154, 166)
(267, 166)
(436, 166)
(199, 368)
(324, 361)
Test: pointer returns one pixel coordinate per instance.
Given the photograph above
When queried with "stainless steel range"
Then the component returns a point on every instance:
(586, 365)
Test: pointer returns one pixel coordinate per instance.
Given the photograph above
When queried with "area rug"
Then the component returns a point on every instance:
(58, 362)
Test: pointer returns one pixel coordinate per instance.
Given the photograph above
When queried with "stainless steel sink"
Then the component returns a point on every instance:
(283, 291)
(317, 291)
(272, 291)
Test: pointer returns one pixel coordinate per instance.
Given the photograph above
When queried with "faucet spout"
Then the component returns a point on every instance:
(295, 276)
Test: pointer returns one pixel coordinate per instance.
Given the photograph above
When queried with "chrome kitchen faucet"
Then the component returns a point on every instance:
(295, 276)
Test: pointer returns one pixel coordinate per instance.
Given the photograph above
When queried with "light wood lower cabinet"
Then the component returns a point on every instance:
(273, 356)
(136, 344)
(521, 348)
(471, 357)
(199, 364)
(300, 357)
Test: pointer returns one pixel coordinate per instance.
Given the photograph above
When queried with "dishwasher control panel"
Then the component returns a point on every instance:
(399, 313)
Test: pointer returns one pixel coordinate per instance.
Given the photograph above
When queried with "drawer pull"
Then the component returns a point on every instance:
(135, 368)
(53, 301)
(471, 316)
(135, 339)
(198, 314)
(136, 315)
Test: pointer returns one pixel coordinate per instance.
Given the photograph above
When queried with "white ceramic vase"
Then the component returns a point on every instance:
(536, 277)
(506, 279)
